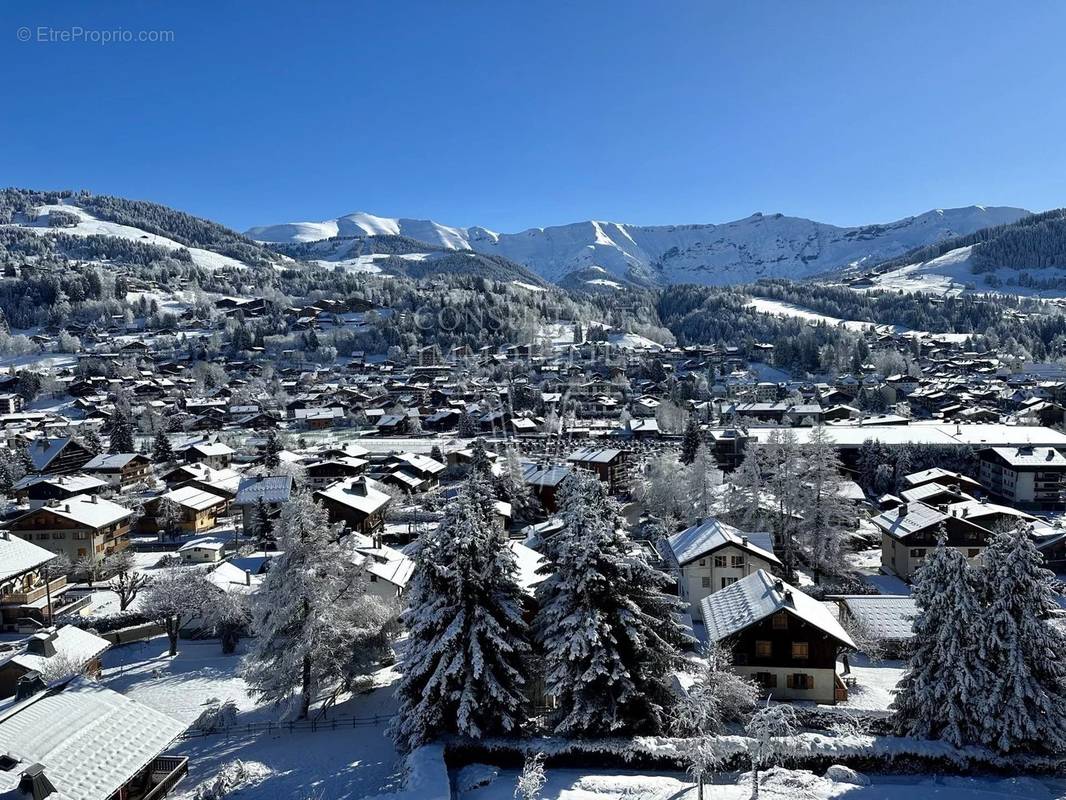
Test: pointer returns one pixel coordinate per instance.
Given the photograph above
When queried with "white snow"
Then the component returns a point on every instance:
(89, 225)
(740, 251)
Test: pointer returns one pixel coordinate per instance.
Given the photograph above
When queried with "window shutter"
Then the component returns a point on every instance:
(790, 681)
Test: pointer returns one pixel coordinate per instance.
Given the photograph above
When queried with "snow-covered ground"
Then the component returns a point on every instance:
(952, 274)
(347, 762)
(89, 225)
(765, 305)
(569, 784)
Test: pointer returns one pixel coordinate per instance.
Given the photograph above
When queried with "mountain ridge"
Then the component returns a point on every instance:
(757, 246)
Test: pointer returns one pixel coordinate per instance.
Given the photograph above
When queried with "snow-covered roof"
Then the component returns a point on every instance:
(268, 488)
(43, 450)
(203, 543)
(363, 494)
(712, 533)
(1028, 456)
(212, 448)
(422, 463)
(196, 499)
(89, 739)
(71, 483)
(69, 641)
(756, 597)
(883, 616)
(109, 461)
(89, 510)
(594, 455)
(18, 555)
(528, 562)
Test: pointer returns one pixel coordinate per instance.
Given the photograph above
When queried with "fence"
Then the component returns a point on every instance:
(253, 728)
(137, 633)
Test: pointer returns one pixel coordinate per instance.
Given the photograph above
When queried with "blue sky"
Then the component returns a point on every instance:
(512, 114)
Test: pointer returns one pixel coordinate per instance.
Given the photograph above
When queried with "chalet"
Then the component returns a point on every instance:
(884, 620)
(40, 490)
(214, 454)
(271, 492)
(47, 646)
(545, 481)
(423, 467)
(609, 465)
(784, 640)
(120, 469)
(62, 454)
(359, 503)
(83, 741)
(712, 555)
(27, 601)
(205, 550)
(79, 527)
(320, 474)
(944, 477)
(198, 509)
(909, 532)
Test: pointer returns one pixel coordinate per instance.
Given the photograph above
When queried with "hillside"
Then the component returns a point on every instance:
(395, 254)
(1024, 257)
(759, 246)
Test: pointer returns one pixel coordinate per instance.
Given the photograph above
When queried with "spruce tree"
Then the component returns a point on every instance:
(690, 442)
(940, 695)
(1026, 703)
(464, 671)
(825, 511)
(273, 448)
(162, 452)
(121, 434)
(606, 626)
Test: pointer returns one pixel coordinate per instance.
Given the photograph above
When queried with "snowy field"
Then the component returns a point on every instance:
(765, 305)
(325, 763)
(567, 784)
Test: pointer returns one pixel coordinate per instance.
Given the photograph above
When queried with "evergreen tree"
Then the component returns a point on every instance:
(479, 459)
(310, 617)
(91, 441)
(690, 442)
(121, 433)
(162, 452)
(942, 693)
(1026, 702)
(606, 626)
(465, 669)
(748, 490)
(271, 459)
(262, 526)
(702, 478)
(467, 426)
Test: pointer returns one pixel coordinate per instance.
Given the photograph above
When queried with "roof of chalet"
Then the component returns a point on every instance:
(697, 541)
(759, 595)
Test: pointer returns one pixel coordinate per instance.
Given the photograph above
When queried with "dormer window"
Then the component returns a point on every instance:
(780, 621)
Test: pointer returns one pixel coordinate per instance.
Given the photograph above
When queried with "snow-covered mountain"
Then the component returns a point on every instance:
(759, 246)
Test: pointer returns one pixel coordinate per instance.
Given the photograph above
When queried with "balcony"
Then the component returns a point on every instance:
(156, 780)
(33, 595)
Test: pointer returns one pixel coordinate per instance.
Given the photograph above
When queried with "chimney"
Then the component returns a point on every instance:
(29, 684)
(66, 508)
(92, 498)
(779, 585)
(34, 784)
(358, 487)
(247, 578)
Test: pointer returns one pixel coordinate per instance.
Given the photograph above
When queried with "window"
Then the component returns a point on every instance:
(736, 562)
(918, 552)
(767, 680)
(973, 552)
(719, 561)
(59, 535)
(800, 680)
(781, 621)
(763, 648)
(703, 562)
(705, 582)
(801, 650)
(728, 582)
(373, 578)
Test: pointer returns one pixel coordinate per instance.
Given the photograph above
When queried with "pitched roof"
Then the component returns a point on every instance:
(883, 616)
(18, 555)
(88, 510)
(191, 497)
(362, 494)
(268, 488)
(756, 597)
(89, 739)
(712, 533)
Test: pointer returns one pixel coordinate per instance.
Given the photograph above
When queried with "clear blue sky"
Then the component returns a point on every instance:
(513, 114)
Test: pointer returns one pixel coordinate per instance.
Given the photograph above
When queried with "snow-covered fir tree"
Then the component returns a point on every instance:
(465, 669)
(942, 693)
(605, 625)
(702, 479)
(311, 618)
(271, 459)
(121, 433)
(690, 442)
(162, 452)
(1025, 706)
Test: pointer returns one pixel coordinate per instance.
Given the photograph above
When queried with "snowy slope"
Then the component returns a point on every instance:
(755, 247)
(90, 225)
